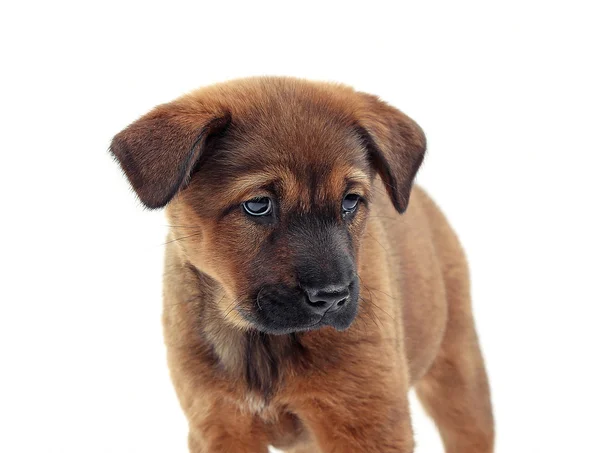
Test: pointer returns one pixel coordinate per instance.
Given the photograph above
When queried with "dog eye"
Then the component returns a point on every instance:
(350, 203)
(258, 206)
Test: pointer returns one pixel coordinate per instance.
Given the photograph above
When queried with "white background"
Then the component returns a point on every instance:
(507, 93)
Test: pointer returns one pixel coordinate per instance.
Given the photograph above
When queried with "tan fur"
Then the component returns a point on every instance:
(347, 390)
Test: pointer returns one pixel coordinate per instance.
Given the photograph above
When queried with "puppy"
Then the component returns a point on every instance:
(303, 295)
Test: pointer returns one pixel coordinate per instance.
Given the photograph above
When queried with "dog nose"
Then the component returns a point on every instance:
(327, 299)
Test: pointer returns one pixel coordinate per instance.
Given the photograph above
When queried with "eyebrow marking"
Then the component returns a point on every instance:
(358, 175)
(255, 184)
(249, 184)
(294, 191)
(338, 182)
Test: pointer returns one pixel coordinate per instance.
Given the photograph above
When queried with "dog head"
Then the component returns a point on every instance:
(268, 183)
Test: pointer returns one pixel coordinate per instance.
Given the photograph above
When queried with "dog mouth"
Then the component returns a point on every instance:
(276, 314)
(278, 327)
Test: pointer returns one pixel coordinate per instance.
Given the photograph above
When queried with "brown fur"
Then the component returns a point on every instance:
(322, 390)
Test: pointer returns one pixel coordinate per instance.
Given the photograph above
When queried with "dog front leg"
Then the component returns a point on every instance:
(226, 429)
(360, 420)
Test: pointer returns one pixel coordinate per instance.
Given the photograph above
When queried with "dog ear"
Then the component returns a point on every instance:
(159, 151)
(396, 146)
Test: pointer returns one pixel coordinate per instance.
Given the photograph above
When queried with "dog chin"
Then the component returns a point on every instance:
(340, 322)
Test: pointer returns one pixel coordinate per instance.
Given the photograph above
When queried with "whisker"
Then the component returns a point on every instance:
(377, 306)
(183, 226)
(361, 324)
(371, 301)
(378, 190)
(183, 237)
(383, 217)
(231, 306)
(382, 247)
(183, 302)
(258, 297)
(370, 313)
(380, 291)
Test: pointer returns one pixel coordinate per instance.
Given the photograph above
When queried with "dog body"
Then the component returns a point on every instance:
(303, 296)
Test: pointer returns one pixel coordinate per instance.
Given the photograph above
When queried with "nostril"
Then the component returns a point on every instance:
(317, 303)
(330, 298)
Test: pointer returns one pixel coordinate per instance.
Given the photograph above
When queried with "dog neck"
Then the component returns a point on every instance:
(261, 360)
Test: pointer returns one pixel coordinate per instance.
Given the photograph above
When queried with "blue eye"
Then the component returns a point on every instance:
(350, 203)
(258, 206)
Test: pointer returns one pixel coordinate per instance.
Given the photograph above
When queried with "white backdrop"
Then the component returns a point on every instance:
(507, 94)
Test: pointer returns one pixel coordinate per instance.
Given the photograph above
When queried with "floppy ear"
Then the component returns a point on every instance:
(159, 151)
(396, 145)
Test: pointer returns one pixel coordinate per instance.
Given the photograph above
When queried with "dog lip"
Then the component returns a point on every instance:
(318, 322)
(276, 327)
(283, 311)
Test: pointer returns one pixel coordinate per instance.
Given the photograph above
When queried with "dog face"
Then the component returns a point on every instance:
(268, 183)
(282, 205)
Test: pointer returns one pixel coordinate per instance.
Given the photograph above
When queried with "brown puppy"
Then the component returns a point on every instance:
(300, 304)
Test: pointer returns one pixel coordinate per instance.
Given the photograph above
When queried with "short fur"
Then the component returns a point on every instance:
(249, 375)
